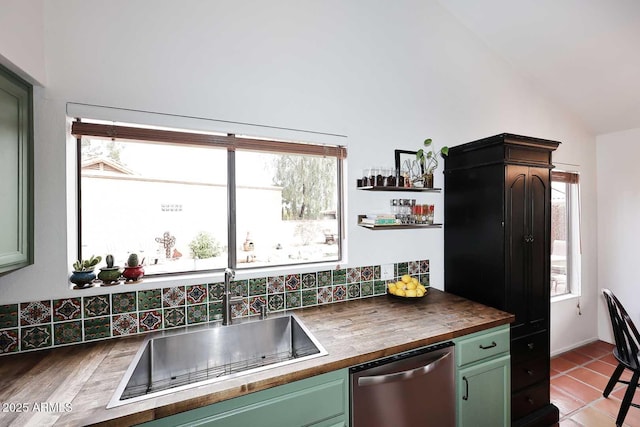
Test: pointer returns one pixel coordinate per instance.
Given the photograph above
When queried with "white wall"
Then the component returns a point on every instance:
(387, 75)
(22, 38)
(618, 223)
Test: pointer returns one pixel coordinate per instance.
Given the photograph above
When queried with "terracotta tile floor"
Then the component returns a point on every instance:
(578, 378)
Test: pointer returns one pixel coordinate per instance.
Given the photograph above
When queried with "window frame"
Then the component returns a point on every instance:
(230, 141)
(573, 230)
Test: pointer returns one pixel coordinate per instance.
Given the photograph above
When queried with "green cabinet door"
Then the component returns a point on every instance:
(16, 172)
(483, 393)
(321, 401)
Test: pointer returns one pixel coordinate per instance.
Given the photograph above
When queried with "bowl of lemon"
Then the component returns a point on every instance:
(407, 287)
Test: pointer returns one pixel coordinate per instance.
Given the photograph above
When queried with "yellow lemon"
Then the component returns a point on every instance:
(400, 292)
(391, 287)
(406, 278)
(421, 287)
(411, 286)
(411, 293)
(419, 292)
(414, 280)
(400, 285)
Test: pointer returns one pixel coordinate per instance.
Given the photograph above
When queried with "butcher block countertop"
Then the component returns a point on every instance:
(71, 386)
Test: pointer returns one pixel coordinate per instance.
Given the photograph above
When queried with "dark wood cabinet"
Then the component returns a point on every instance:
(497, 210)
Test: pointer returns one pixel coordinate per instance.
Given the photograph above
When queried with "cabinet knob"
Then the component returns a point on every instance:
(486, 347)
(530, 372)
(530, 346)
(530, 400)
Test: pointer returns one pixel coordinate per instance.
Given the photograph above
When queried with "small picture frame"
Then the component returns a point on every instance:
(405, 159)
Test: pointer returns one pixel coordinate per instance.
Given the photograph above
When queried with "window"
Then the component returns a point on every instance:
(187, 201)
(565, 233)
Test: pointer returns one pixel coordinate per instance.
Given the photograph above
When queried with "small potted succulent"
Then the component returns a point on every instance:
(133, 271)
(83, 275)
(428, 159)
(110, 275)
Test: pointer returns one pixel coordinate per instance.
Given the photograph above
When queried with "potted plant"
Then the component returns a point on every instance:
(110, 275)
(428, 159)
(83, 274)
(133, 271)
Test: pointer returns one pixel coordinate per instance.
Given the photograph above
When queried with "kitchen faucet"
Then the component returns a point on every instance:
(227, 299)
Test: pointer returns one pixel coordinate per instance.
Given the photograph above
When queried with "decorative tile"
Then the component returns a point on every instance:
(339, 277)
(325, 295)
(353, 275)
(377, 272)
(293, 282)
(424, 279)
(339, 293)
(196, 294)
(379, 287)
(402, 268)
(309, 297)
(275, 302)
(67, 332)
(414, 267)
(150, 320)
(366, 289)
(124, 302)
(366, 273)
(173, 297)
(97, 305)
(239, 288)
(8, 316)
(324, 278)
(196, 314)
(258, 286)
(66, 309)
(240, 309)
(174, 317)
(35, 337)
(309, 281)
(96, 328)
(148, 300)
(353, 291)
(9, 341)
(33, 313)
(424, 266)
(125, 324)
(216, 290)
(293, 299)
(255, 304)
(215, 311)
(275, 284)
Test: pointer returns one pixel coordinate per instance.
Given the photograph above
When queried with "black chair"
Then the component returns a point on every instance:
(625, 352)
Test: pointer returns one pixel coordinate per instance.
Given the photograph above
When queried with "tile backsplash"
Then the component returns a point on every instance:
(44, 324)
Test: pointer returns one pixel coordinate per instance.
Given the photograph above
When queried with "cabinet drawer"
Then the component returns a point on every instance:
(529, 400)
(530, 347)
(528, 373)
(482, 346)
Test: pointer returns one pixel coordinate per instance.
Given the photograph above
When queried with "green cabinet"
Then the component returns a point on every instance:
(16, 172)
(483, 379)
(320, 401)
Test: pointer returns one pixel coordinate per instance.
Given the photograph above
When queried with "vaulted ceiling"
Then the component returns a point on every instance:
(583, 54)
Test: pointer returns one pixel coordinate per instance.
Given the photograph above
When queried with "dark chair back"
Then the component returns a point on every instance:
(624, 332)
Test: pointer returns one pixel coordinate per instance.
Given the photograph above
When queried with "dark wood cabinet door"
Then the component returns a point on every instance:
(516, 229)
(539, 232)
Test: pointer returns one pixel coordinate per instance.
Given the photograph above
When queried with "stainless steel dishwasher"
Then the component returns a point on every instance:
(411, 389)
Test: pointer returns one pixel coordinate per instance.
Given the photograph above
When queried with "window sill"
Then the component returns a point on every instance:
(564, 297)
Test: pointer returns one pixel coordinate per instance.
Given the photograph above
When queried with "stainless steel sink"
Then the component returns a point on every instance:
(176, 361)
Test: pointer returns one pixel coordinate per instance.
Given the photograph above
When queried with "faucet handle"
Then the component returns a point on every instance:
(263, 311)
(229, 274)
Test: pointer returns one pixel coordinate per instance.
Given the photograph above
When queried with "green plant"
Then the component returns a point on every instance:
(428, 157)
(133, 260)
(87, 264)
(204, 245)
